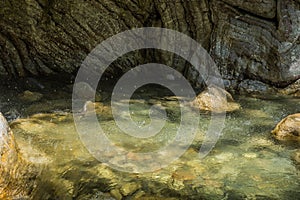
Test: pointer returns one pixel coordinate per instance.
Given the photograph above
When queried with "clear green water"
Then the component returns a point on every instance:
(246, 163)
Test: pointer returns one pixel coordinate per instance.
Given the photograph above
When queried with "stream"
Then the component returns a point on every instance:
(246, 162)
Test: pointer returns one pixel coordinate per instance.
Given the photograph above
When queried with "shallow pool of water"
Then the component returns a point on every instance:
(246, 162)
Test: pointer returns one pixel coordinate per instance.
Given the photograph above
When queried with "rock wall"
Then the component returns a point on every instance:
(260, 44)
(251, 39)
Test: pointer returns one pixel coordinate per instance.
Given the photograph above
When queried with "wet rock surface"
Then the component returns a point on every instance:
(17, 176)
(256, 89)
(288, 129)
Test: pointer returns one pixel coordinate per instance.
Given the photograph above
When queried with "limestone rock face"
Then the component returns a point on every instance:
(215, 99)
(247, 46)
(49, 37)
(266, 8)
(288, 129)
(251, 39)
(16, 176)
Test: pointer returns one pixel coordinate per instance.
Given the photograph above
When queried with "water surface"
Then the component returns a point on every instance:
(246, 163)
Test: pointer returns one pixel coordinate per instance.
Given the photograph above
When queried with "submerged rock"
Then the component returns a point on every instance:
(48, 106)
(183, 175)
(296, 157)
(116, 194)
(29, 96)
(89, 107)
(288, 129)
(83, 91)
(215, 99)
(16, 175)
(129, 188)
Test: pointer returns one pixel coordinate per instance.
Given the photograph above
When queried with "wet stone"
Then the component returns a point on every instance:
(129, 188)
(296, 157)
(17, 174)
(29, 96)
(288, 129)
(116, 194)
(184, 175)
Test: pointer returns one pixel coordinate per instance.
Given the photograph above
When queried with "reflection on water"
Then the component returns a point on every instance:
(246, 163)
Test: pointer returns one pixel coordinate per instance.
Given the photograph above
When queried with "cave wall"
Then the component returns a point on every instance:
(251, 39)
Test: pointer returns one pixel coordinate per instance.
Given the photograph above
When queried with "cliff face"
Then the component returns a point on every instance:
(251, 39)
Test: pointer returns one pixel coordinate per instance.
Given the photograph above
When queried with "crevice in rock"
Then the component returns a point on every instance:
(111, 7)
(13, 55)
(211, 19)
(245, 12)
(73, 38)
(277, 15)
(8, 66)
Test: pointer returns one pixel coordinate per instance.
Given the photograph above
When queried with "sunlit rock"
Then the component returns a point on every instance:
(215, 99)
(288, 129)
(16, 175)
